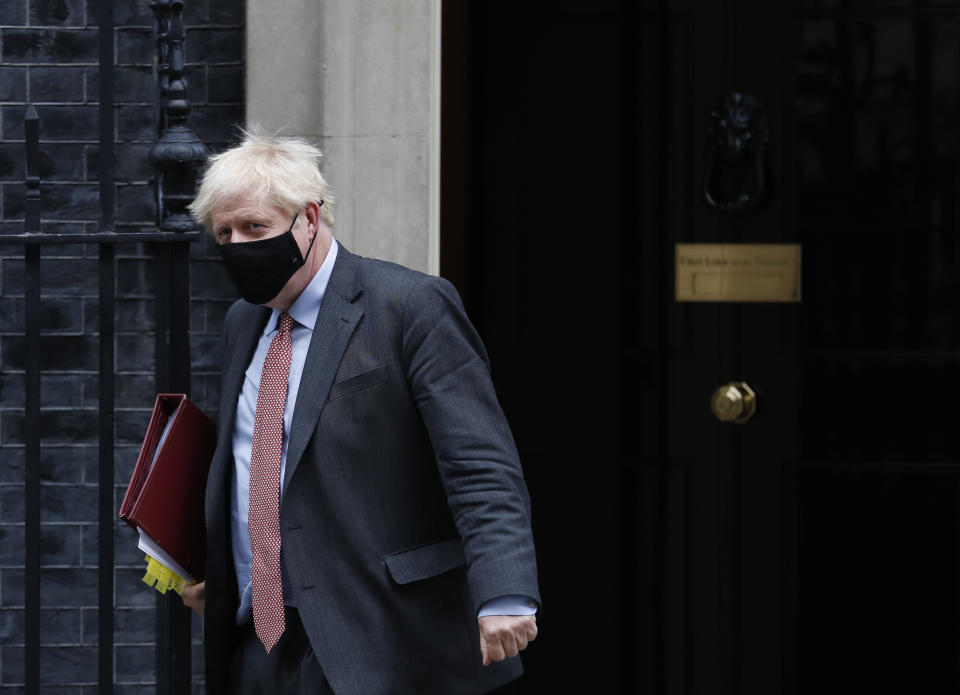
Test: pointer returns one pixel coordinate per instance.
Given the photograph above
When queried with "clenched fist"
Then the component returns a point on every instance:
(503, 636)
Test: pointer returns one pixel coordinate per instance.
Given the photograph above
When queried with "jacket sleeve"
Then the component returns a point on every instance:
(449, 375)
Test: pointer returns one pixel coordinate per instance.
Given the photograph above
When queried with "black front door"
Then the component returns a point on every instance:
(813, 547)
(822, 534)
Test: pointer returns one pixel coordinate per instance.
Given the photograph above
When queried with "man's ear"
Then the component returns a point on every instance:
(312, 213)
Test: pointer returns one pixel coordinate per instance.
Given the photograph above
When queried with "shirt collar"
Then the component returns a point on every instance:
(304, 311)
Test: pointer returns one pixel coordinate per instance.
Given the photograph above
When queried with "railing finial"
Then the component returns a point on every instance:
(178, 153)
(31, 126)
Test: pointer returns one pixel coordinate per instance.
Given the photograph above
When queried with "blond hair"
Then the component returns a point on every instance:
(278, 170)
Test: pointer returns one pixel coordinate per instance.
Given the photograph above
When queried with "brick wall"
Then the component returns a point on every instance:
(48, 57)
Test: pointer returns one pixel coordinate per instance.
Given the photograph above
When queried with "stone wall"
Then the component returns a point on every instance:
(361, 77)
(49, 58)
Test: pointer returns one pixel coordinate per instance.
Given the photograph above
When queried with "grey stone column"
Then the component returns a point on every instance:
(362, 78)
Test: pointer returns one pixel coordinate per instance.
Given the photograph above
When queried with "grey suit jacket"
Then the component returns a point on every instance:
(404, 505)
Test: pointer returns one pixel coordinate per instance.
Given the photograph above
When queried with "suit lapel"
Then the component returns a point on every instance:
(336, 322)
(250, 325)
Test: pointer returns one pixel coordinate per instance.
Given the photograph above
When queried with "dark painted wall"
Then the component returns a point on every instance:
(49, 58)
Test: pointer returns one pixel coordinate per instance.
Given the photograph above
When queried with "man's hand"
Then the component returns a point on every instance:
(192, 595)
(502, 636)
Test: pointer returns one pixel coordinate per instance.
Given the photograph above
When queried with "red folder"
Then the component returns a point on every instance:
(165, 495)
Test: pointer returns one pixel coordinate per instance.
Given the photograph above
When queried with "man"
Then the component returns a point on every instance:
(368, 526)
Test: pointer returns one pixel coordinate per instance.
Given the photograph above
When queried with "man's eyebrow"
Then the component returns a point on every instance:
(243, 218)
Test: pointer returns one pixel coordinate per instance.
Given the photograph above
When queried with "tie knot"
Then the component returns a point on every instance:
(285, 323)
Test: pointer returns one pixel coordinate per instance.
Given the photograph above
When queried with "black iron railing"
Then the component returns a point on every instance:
(176, 156)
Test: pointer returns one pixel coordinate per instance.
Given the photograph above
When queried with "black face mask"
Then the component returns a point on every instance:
(261, 268)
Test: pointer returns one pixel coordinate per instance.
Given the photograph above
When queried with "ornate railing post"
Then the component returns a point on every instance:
(177, 156)
(178, 153)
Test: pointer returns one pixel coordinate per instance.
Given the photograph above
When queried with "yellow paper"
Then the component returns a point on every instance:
(161, 578)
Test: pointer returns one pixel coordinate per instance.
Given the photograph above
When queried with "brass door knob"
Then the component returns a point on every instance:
(734, 402)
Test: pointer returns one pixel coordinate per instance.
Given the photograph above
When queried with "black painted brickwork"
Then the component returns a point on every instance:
(48, 57)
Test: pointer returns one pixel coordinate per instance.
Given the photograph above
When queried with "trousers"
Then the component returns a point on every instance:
(290, 668)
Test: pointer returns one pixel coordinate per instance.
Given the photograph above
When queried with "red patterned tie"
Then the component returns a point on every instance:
(263, 519)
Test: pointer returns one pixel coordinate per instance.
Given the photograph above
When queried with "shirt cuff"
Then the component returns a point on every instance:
(508, 605)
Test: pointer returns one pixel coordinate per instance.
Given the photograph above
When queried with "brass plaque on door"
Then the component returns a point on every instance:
(738, 273)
